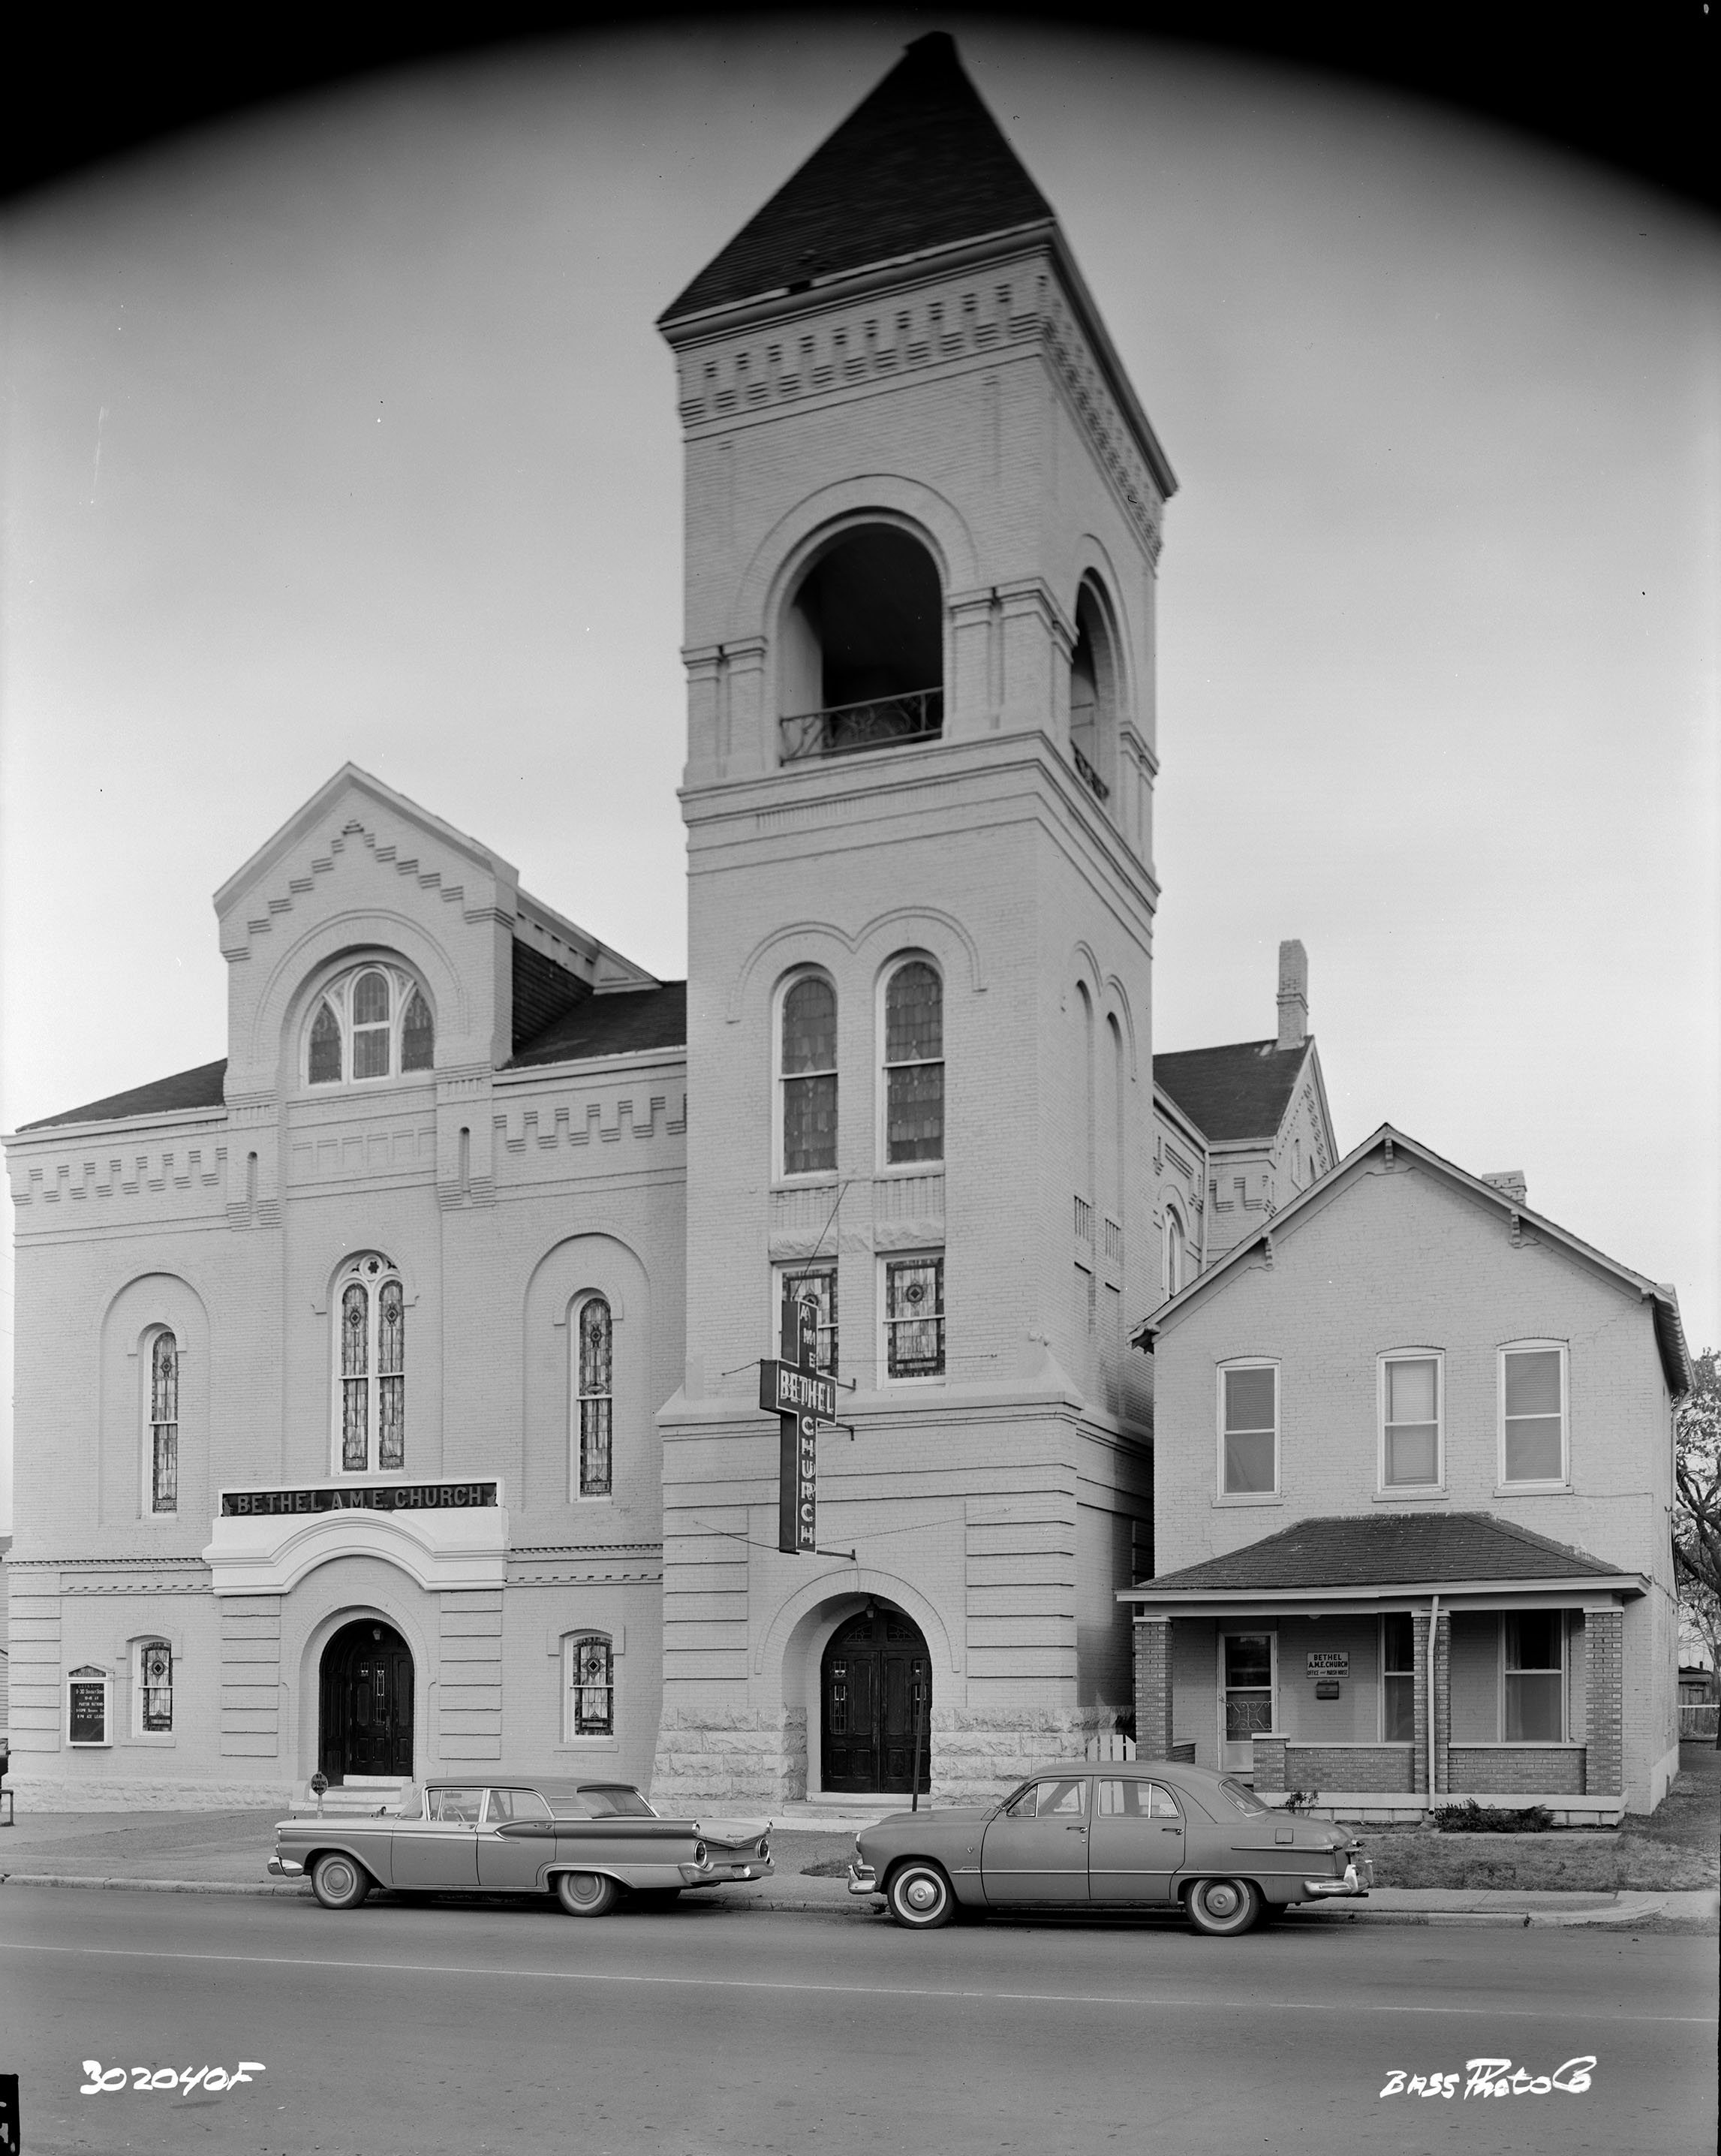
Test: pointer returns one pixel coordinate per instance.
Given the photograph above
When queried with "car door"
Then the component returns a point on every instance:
(441, 1850)
(1135, 1841)
(1036, 1850)
(509, 1864)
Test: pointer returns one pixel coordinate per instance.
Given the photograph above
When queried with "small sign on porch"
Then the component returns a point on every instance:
(1330, 1662)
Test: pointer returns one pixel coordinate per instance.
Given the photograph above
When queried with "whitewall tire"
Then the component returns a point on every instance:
(339, 1881)
(586, 1893)
(1223, 1909)
(920, 1897)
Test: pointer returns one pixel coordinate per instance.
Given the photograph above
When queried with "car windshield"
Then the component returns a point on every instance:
(1246, 1800)
(614, 1800)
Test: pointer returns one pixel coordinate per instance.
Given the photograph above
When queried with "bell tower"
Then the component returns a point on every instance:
(923, 513)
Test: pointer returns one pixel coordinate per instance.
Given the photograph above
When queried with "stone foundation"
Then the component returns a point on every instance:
(62, 1793)
(728, 1759)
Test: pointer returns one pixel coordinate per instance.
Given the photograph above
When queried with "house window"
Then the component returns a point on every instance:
(590, 1710)
(913, 1065)
(1533, 1447)
(809, 1077)
(1398, 1679)
(1534, 1678)
(371, 1363)
(816, 1284)
(913, 1318)
(1248, 1418)
(1410, 1422)
(372, 1023)
(595, 1338)
(155, 1688)
(164, 1423)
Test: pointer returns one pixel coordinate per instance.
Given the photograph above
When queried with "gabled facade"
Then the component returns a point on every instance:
(1410, 1409)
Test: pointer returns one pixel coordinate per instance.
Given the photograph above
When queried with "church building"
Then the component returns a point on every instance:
(388, 1394)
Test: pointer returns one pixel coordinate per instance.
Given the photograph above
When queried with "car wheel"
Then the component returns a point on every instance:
(586, 1893)
(1224, 1908)
(339, 1882)
(920, 1897)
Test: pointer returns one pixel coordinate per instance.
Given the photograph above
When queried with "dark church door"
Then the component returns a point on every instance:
(877, 1698)
(366, 1725)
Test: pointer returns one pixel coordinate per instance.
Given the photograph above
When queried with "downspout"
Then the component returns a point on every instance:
(1433, 1660)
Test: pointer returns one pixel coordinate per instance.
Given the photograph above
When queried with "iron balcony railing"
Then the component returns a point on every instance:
(1102, 792)
(881, 722)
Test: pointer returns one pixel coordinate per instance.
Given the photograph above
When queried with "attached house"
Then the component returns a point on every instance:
(1414, 1463)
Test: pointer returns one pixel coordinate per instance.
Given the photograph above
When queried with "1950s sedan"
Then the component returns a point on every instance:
(586, 1842)
(1152, 1834)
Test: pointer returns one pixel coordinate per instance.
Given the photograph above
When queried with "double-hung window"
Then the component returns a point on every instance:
(913, 1065)
(1534, 1680)
(913, 1318)
(1410, 1422)
(1533, 1414)
(1398, 1679)
(1248, 1429)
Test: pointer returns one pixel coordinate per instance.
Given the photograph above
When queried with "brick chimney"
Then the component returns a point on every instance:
(1293, 995)
(1510, 1184)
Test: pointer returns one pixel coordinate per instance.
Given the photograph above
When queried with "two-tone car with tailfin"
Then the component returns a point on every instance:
(590, 1844)
(1148, 1834)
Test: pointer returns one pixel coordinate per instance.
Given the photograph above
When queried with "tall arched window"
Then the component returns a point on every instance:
(373, 1022)
(1177, 1252)
(1094, 698)
(914, 1064)
(164, 1422)
(808, 1079)
(154, 1687)
(595, 1398)
(370, 1366)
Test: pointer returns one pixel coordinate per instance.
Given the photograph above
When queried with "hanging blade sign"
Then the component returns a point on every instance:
(792, 1390)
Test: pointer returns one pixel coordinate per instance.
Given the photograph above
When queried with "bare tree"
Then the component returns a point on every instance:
(1696, 1514)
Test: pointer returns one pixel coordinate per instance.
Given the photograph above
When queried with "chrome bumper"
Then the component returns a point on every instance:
(1357, 1880)
(284, 1868)
(864, 1880)
(722, 1875)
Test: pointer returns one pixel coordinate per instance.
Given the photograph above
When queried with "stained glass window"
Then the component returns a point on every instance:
(816, 1284)
(913, 1318)
(809, 1077)
(354, 1380)
(155, 1663)
(594, 1396)
(164, 1423)
(391, 1376)
(370, 1025)
(325, 1047)
(591, 1688)
(417, 1036)
(913, 1063)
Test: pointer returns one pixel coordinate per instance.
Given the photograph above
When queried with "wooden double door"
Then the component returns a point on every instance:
(876, 1715)
(367, 1706)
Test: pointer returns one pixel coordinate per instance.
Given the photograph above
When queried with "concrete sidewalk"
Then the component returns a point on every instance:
(224, 1853)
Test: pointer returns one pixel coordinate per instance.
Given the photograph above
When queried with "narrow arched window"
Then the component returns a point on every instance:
(591, 1686)
(417, 1036)
(164, 1423)
(325, 1047)
(809, 1077)
(595, 1399)
(154, 1687)
(370, 1367)
(371, 1028)
(914, 1064)
(1177, 1258)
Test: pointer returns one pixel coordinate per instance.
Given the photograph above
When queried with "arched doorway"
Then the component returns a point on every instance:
(365, 1724)
(875, 1716)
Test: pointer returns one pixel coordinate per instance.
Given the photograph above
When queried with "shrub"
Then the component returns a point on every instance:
(1472, 1818)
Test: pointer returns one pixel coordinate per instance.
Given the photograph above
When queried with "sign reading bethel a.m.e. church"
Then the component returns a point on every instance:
(801, 1398)
(367, 1497)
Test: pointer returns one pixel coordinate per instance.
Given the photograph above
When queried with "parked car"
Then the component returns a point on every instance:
(585, 1842)
(1153, 1834)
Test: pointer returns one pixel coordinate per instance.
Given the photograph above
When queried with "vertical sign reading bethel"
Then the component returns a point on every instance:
(792, 1388)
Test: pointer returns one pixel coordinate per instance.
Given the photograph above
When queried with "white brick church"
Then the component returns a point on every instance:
(387, 1395)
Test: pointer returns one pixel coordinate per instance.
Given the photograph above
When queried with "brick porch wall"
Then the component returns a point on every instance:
(1512, 1770)
(1153, 1688)
(1604, 1647)
(1387, 1767)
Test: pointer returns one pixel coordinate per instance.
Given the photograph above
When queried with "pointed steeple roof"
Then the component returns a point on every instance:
(919, 164)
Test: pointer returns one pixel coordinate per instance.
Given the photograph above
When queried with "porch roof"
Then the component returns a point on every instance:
(1374, 1554)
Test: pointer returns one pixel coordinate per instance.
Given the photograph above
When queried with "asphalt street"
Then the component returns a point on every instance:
(412, 2026)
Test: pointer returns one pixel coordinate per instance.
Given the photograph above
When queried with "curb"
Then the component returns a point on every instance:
(148, 1886)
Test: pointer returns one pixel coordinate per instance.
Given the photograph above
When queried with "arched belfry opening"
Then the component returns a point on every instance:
(1093, 693)
(862, 663)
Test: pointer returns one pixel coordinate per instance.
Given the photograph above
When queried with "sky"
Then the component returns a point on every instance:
(341, 431)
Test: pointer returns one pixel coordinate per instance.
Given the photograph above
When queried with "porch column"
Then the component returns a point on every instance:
(1604, 1678)
(1421, 1693)
(1153, 1686)
(1441, 1672)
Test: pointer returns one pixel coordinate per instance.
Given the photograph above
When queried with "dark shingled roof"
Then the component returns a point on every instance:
(1387, 1550)
(628, 1022)
(1241, 1092)
(201, 1088)
(920, 163)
